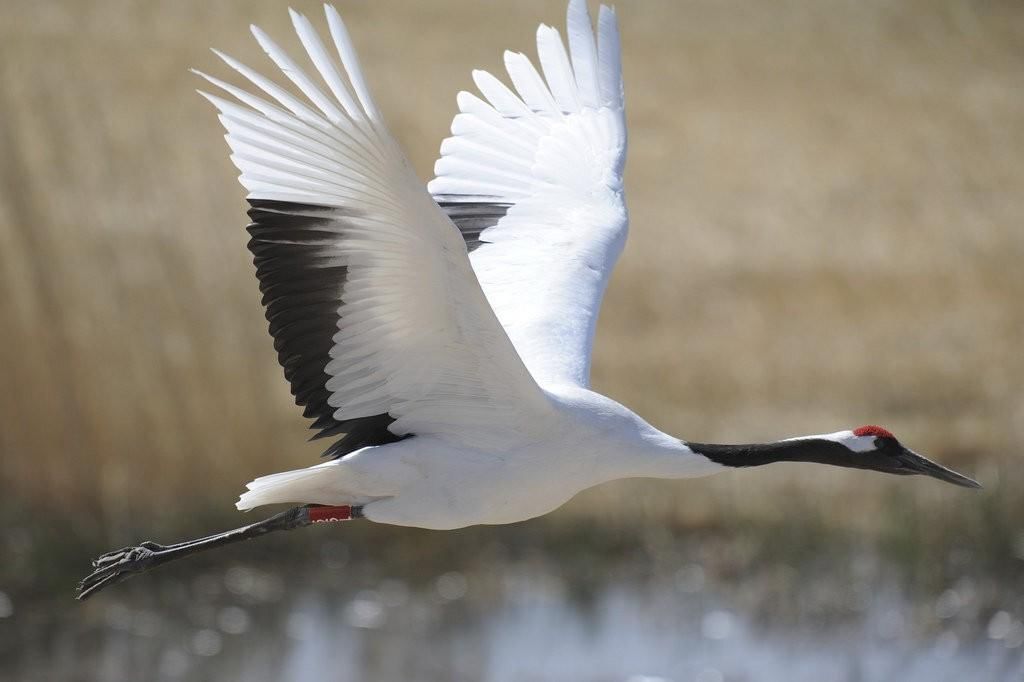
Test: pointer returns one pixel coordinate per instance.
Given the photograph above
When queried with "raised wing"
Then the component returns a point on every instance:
(377, 317)
(533, 178)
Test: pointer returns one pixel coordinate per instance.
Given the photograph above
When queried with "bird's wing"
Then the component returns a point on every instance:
(533, 178)
(377, 317)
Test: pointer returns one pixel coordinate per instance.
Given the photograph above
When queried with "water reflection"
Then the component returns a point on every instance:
(522, 622)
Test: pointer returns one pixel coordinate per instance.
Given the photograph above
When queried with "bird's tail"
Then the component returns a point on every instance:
(301, 486)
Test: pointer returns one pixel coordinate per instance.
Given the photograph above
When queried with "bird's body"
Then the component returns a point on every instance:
(440, 334)
(586, 439)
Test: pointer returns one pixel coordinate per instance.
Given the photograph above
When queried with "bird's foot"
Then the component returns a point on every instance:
(114, 556)
(121, 564)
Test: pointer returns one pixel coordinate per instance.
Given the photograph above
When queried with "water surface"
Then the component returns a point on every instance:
(526, 618)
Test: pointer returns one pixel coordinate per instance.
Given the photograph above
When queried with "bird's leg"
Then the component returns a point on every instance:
(121, 564)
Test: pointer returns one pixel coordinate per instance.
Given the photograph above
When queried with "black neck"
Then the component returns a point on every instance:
(755, 454)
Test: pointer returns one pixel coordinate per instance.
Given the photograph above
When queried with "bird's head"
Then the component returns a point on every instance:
(872, 447)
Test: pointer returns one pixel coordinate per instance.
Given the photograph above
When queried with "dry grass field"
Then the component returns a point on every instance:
(827, 204)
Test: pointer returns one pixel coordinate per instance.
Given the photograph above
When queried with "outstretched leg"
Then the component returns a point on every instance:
(121, 564)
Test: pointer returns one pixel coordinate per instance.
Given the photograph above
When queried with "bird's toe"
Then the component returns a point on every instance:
(115, 566)
(117, 555)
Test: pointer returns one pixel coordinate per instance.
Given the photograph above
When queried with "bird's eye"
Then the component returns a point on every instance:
(886, 444)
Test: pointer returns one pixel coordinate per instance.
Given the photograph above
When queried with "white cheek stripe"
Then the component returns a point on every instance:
(845, 438)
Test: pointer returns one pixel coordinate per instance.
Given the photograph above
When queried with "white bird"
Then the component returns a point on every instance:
(441, 333)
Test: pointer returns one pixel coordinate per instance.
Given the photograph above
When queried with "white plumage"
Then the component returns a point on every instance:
(460, 314)
(558, 161)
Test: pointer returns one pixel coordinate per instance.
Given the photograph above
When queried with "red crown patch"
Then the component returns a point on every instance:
(871, 430)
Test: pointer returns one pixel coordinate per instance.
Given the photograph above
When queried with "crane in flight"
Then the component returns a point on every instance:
(439, 335)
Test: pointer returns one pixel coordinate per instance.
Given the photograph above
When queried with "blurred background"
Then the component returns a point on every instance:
(827, 204)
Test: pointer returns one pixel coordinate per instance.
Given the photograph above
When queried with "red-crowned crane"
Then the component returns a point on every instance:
(440, 334)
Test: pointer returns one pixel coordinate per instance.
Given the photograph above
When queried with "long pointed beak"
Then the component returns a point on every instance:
(914, 463)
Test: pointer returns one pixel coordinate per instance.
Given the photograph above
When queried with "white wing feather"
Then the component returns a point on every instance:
(554, 153)
(417, 339)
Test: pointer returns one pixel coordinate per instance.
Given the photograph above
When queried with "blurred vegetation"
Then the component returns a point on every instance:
(827, 202)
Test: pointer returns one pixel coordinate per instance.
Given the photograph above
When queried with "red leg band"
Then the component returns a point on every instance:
(328, 514)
